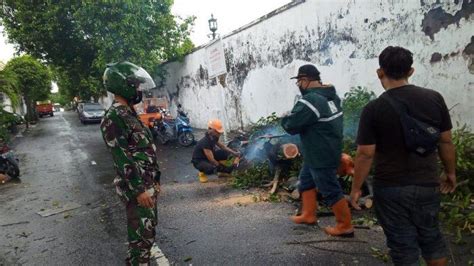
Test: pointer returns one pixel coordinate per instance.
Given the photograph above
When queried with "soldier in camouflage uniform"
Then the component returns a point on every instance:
(134, 155)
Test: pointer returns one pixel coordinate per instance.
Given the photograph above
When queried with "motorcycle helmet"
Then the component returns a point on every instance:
(127, 80)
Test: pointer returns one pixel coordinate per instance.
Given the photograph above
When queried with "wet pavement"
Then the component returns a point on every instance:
(64, 162)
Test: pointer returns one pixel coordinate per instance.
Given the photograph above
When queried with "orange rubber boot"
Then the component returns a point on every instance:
(308, 210)
(343, 226)
(437, 262)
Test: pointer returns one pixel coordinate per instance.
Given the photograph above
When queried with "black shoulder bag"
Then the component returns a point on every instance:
(420, 137)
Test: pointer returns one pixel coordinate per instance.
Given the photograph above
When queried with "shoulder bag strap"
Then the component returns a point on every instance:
(397, 106)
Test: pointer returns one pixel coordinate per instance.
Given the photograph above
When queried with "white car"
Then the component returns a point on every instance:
(91, 112)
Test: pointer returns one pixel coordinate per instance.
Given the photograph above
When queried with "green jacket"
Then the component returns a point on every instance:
(318, 118)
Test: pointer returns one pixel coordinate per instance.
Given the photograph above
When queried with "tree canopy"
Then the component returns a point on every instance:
(33, 81)
(78, 38)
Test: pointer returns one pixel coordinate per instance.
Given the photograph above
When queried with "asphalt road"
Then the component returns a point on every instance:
(64, 162)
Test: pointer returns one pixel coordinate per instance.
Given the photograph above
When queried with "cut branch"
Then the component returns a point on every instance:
(276, 180)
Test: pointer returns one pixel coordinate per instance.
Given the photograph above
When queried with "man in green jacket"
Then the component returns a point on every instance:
(317, 118)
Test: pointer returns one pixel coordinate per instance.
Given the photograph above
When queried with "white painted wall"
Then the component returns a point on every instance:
(343, 39)
(107, 101)
(7, 106)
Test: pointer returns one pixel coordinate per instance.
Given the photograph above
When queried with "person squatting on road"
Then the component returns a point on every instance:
(318, 117)
(406, 184)
(210, 155)
(134, 155)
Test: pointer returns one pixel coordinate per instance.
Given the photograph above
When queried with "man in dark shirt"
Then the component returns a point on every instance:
(209, 153)
(406, 185)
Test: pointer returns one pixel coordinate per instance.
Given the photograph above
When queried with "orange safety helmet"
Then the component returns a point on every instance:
(216, 124)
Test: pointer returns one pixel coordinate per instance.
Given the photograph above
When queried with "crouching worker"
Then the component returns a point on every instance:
(210, 156)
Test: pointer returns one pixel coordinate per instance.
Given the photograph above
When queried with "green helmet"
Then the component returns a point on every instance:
(127, 80)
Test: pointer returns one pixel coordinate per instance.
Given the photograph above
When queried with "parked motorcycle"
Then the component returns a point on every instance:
(168, 129)
(8, 162)
(182, 114)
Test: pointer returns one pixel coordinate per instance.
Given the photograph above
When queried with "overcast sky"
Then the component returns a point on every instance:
(230, 15)
(6, 50)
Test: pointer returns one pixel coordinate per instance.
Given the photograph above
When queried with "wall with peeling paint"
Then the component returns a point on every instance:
(343, 39)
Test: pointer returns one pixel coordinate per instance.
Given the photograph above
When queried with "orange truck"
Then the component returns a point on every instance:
(44, 108)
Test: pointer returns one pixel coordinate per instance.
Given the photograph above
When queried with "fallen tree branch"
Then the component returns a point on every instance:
(342, 252)
(324, 241)
(365, 202)
(192, 241)
(276, 180)
(17, 223)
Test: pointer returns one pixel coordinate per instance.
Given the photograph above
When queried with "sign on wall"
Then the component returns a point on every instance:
(216, 59)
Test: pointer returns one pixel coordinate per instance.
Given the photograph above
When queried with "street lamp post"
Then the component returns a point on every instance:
(213, 26)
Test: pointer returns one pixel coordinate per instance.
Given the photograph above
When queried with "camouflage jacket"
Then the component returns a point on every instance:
(133, 151)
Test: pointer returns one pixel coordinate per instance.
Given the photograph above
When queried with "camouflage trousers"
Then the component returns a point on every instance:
(141, 223)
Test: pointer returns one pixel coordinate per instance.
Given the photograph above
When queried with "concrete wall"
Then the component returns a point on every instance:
(106, 101)
(343, 38)
(7, 105)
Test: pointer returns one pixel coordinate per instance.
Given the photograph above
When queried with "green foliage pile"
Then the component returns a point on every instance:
(78, 38)
(463, 139)
(254, 176)
(457, 209)
(259, 173)
(353, 103)
(265, 122)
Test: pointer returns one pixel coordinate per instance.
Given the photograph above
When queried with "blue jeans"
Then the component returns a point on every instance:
(409, 218)
(324, 179)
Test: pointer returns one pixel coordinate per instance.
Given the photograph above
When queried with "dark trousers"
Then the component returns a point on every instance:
(323, 179)
(409, 218)
(207, 167)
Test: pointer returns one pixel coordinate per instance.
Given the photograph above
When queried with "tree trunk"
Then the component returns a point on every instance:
(27, 122)
(288, 151)
(30, 111)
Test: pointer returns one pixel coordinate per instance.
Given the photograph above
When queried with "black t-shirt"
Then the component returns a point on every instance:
(380, 125)
(208, 142)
